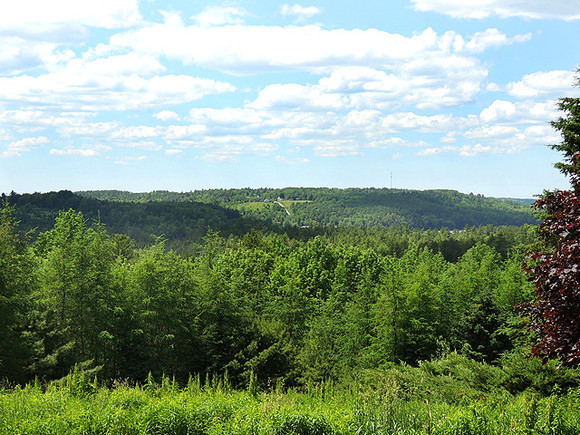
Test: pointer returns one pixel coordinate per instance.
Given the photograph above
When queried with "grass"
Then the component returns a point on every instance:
(80, 406)
(261, 205)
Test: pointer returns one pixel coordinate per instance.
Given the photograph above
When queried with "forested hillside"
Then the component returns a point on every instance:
(332, 322)
(180, 223)
(354, 207)
(281, 308)
(183, 219)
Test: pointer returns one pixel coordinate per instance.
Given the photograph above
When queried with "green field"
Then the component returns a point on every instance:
(77, 405)
(261, 205)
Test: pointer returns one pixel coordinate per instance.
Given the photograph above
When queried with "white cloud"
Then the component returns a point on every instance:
(19, 55)
(92, 129)
(87, 151)
(176, 132)
(493, 131)
(73, 152)
(220, 15)
(167, 115)
(410, 121)
(40, 119)
(127, 160)
(85, 90)
(542, 84)
(15, 148)
(64, 19)
(464, 150)
(266, 123)
(292, 160)
(426, 84)
(482, 41)
(300, 12)
(395, 142)
(333, 148)
(173, 152)
(501, 111)
(241, 49)
(289, 96)
(220, 149)
(145, 145)
(568, 10)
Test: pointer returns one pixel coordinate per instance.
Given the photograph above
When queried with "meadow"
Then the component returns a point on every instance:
(452, 395)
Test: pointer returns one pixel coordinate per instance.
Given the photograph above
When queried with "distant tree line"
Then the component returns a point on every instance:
(364, 207)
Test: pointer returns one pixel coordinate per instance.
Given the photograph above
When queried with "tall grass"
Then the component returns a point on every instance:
(78, 405)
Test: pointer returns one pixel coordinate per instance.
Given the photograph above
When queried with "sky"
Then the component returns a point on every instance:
(183, 95)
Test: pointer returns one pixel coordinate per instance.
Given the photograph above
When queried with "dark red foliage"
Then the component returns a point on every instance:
(556, 275)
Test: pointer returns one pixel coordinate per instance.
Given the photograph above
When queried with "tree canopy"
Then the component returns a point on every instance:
(555, 270)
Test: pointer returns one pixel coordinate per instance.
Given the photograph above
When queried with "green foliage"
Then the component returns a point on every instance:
(569, 128)
(16, 285)
(357, 409)
(554, 270)
(348, 207)
(264, 305)
(75, 295)
(266, 309)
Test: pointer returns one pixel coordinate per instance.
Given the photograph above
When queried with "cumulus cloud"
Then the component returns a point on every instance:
(63, 20)
(17, 147)
(493, 131)
(222, 149)
(241, 49)
(568, 10)
(442, 83)
(411, 121)
(41, 119)
(84, 89)
(220, 15)
(73, 152)
(167, 115)
(337, 148)
(481, 41)
(464, 150)
(501, 111)
(299, 12)
(87, 151)
(364, 88)
(20, 55)
(542, 84)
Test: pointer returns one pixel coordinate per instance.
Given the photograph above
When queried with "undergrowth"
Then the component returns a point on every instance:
(448, 397)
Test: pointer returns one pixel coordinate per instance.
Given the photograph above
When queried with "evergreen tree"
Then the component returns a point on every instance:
(16, 285)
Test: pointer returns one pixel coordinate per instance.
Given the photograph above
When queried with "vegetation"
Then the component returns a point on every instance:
(356, 326)
(370, 207)
(279, 308)
(356, 330)
(440, 397)
(555, 269)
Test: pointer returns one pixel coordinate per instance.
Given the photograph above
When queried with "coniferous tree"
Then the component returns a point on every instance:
(16, 284)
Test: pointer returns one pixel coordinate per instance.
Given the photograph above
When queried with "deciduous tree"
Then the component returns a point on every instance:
(556, 271)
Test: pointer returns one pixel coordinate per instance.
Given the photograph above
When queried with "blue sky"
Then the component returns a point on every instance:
(182, 95)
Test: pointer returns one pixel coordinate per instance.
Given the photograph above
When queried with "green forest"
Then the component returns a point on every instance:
(358, 311)
(325, 324)
(183, 219)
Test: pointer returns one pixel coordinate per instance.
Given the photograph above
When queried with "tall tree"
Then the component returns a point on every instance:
(556, 271)
(15, 287)
(75, 295)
